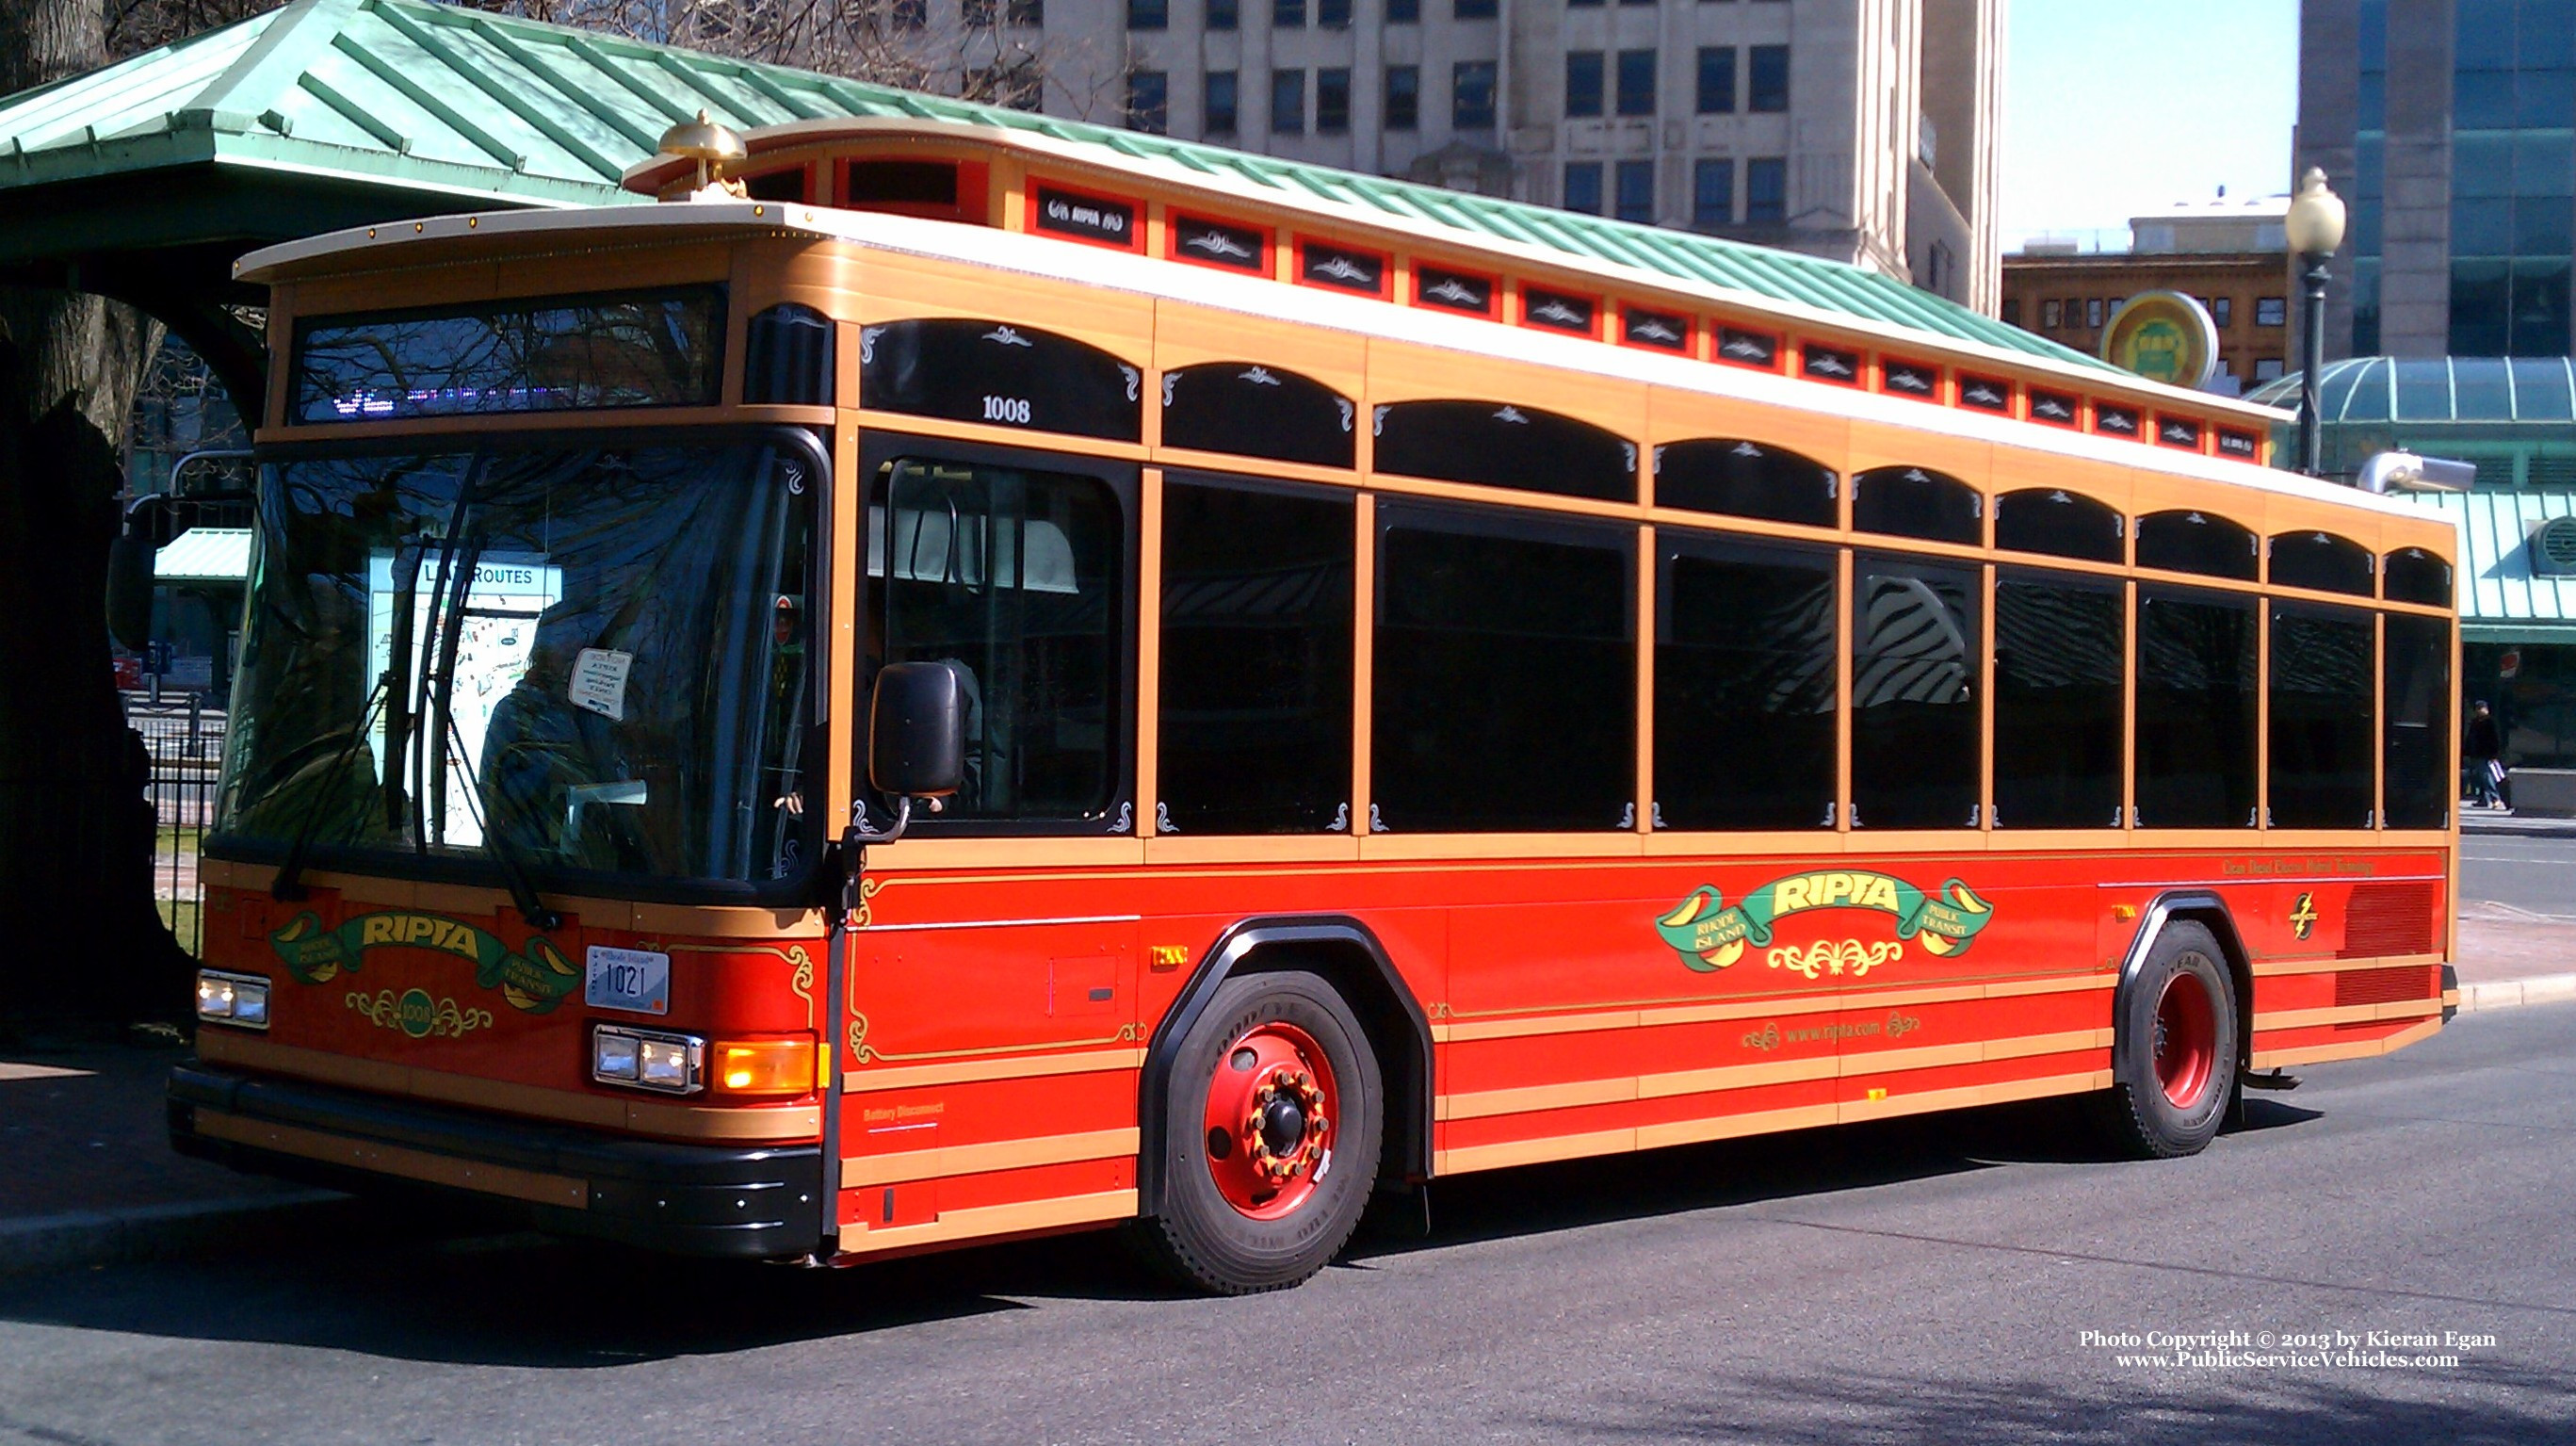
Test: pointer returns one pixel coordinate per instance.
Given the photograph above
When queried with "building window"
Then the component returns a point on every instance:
(2093, 314)
(1288, 102)
(1769, 82)
(1582, 83)
(1219, 110)
(1636, 82)
(2222, 309)
(1637, 191)
(1472, 10)
(1148, 101)
(1582, 4)
(2052, 314)
(1333, 101)
(1031, 13)
(1403, 97)
(2271, 311)
(2012, 311)
(1713, 193)
(1287, 14)
(1937, 269)
(1333, 14)
(1583, 187)
(1717, 80)
(1148, 14)
(2267, 369)
(1403, 12)
(1471, 90)
(1766, 191)
(1223, 15)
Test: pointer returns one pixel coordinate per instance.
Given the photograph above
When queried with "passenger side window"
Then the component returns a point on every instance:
(1505, 677)
(2060, 651)
(2321, 723)
(2196, 714)
(1744, 671)
(2417, 736)
(1254, 730)
(1017, 579)
(1915, 725)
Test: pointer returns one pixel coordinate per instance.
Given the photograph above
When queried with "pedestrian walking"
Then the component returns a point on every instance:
(2482, 751)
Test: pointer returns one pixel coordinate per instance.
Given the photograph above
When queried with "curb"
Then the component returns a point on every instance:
(83, 1238)
(2510, 993)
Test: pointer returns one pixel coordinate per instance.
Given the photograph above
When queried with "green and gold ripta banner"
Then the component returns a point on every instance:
(1711, 934)
(535, 980)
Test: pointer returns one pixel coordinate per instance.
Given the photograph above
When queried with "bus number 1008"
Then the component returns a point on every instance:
(1007, 409)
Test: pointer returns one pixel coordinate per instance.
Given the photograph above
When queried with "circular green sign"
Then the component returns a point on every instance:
(415, 1013)
(2163, 336)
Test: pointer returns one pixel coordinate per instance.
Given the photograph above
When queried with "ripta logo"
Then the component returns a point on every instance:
(1711, 934)
(534, 979)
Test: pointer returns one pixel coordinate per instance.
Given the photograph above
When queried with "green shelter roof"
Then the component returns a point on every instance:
(428, 108)
(2507, 593)
(2437, 389)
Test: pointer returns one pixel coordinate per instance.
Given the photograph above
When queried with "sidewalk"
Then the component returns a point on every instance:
(87, 1176)
(2511, 956)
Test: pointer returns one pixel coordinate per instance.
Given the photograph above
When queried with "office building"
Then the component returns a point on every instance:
(2450, 126)
(2227, 253)
(1863, 130)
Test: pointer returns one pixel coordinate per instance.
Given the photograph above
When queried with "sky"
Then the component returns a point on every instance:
(2114, 108)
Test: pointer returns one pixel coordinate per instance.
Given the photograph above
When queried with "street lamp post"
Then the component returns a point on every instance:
(2314, 228)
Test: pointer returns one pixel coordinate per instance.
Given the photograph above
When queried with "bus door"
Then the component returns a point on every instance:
(992, 997)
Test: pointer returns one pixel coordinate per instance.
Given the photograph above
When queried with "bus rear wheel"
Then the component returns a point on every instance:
(2174, 1072)
(1271, 1137)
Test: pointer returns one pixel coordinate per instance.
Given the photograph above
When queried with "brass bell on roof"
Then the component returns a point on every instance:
(706, 141)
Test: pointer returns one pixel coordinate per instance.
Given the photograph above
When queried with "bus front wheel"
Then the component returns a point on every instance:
(2175, 1069)
(1272, 1138)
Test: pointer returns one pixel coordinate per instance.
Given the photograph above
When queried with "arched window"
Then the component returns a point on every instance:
(1744, 479)
(2413, 575)
(1258, 411)
(788, 357)
(1502, 445)
(1914, 502)
(2185, 541)
(2321, 560)
(2059, 523)
(1009, 376)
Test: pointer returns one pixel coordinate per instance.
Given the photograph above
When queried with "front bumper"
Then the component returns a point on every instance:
(760, 1203)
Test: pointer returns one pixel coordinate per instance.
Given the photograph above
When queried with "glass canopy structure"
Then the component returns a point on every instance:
(2513, 416)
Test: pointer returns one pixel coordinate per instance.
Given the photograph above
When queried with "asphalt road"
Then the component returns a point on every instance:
(2529, 872)
(1917, 1280)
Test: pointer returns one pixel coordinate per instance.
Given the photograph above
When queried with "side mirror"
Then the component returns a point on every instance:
(129, 589)
(917, 731)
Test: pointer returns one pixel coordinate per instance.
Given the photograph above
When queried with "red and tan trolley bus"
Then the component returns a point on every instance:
(1361, 699)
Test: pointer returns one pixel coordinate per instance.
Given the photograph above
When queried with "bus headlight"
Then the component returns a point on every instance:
(240, 999)
(647, 1059)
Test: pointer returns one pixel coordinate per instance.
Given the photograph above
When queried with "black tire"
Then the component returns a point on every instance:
(2140, 1113)
(1200, 1238)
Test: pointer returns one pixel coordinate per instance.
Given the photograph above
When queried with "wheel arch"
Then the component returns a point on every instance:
(1346, 954)
(2197, 906)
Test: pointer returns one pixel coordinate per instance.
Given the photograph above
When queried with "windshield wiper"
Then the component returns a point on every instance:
(389, 683)
(523, 889)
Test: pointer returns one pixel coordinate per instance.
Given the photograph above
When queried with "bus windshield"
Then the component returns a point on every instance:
(577, 659)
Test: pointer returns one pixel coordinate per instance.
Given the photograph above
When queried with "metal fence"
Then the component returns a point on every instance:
(186, 741)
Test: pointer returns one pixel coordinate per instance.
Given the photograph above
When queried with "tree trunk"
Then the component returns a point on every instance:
(82, 935)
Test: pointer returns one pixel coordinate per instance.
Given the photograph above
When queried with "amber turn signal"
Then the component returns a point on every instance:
(762, 1066)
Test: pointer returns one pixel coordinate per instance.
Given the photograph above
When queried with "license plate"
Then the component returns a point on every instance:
(637, 980)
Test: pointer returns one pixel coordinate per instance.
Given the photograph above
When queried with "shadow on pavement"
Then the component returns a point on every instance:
(2460, 1406)
(408, 1284)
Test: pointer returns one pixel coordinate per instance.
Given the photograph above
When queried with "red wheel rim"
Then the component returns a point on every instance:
(2186, 1040)
(1272, 1106)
